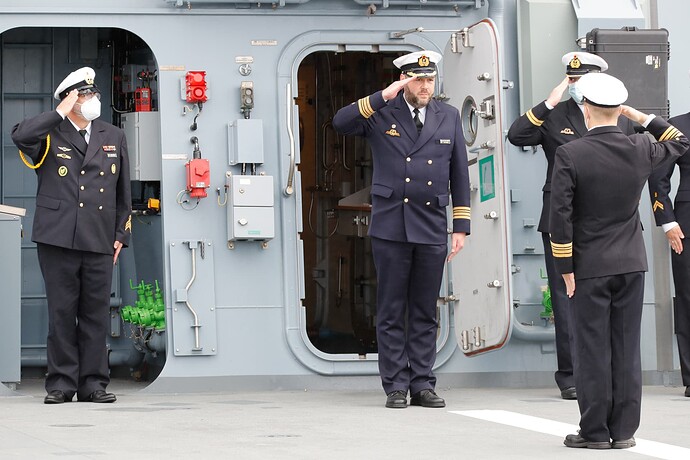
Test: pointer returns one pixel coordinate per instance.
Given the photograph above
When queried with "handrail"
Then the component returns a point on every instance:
(291, 173)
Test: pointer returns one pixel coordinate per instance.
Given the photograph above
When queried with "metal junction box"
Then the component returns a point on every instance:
(245, 142)
(250, 208)
(143, 132)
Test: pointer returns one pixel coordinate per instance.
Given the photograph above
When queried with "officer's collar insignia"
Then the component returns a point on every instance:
(65, 149)
(575, 63)
(567, 131)
(64, 156)
(109, 148)
(423, 61)
(393, 132)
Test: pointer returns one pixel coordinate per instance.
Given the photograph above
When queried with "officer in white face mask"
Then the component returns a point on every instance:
(81, 222)
(551, 124)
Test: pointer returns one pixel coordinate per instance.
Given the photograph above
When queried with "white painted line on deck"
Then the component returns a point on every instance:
(542, 425)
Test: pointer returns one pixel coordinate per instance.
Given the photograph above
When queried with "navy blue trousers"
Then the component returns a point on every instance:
(409, 279)
(78, 285)
(607, 313)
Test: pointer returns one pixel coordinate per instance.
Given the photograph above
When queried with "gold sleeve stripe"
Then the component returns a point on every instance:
(128, 224)
(461, 212)
(365, 107)
(671, 132)
(562, 250)
(534, 120)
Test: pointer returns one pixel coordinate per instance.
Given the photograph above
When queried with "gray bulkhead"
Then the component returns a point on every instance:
(253, 296)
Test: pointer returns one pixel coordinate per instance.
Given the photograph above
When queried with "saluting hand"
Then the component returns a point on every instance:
(395, 87)
(633, 114)
(569, 279)
(65, 106)
(557, 93)
(675, 237)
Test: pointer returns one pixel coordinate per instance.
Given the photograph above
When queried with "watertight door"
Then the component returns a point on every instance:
(480, 275)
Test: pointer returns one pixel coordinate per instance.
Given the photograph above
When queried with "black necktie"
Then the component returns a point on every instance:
(83, 133)
(417, 121)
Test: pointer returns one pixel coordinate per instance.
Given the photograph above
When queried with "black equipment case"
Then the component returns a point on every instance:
(639, 58)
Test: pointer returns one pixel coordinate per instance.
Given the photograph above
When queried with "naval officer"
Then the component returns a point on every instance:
(596, 240)
(673, 218)
(82, 221)
(551, 124)
(419, 156)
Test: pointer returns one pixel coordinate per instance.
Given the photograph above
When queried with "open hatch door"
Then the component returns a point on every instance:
(481, 277)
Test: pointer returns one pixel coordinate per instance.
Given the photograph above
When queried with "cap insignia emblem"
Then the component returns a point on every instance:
(89, 81)
(423, 61)
(575, 63)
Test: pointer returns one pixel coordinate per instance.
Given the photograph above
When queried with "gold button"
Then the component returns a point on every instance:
(101, 190)
(102, 173)
(428, 203)
(428, 183)
(81, 205)
(81, 188)
(100, 207)
(429, 161)
(82, 173)
(407, 179)
(406, 200)
(408, 159)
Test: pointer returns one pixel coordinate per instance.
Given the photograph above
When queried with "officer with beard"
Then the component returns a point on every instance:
(82, 221)
(418, 153)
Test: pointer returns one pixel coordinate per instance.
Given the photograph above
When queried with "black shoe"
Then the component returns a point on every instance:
(569, 393)
(577, 441)
(56, 397)
(427, 398)
(99, 396)
(397, 399)
(623, 443)
(687, 391)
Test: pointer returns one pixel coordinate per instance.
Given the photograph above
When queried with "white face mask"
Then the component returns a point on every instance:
(91, 109)
(575, 92)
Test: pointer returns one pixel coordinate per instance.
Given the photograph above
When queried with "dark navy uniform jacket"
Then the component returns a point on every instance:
(660, 180)
(83, 202)
(595, 194)
(410, 189)
(551, 129)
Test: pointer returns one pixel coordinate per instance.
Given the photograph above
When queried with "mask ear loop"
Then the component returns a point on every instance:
(38, 165)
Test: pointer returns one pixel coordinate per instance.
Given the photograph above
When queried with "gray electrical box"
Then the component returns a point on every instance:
(143, 132)
(10, 286)
(245, 142)
(250, 208)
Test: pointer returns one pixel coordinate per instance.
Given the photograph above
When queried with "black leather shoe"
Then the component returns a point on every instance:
(397, 399)
(577, 441)
(56, 397)
(99, 396)
(427, 398)
(623, 444)
(687, 391)
(569, 393)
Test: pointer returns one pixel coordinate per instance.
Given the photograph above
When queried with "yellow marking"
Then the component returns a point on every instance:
(128, 224)
(657, 205)
(670, 132)
(365, 107)
(37, 165)
(393, 132)
(461, 212)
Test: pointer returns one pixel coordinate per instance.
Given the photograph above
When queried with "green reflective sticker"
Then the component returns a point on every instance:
(487, 184)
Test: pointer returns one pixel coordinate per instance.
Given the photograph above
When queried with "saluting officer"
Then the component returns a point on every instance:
(82, 221)
(596, 240)
(551, 124)
(419, 154)
(673, 219)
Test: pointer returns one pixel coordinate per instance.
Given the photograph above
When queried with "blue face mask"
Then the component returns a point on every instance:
(575, 92)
